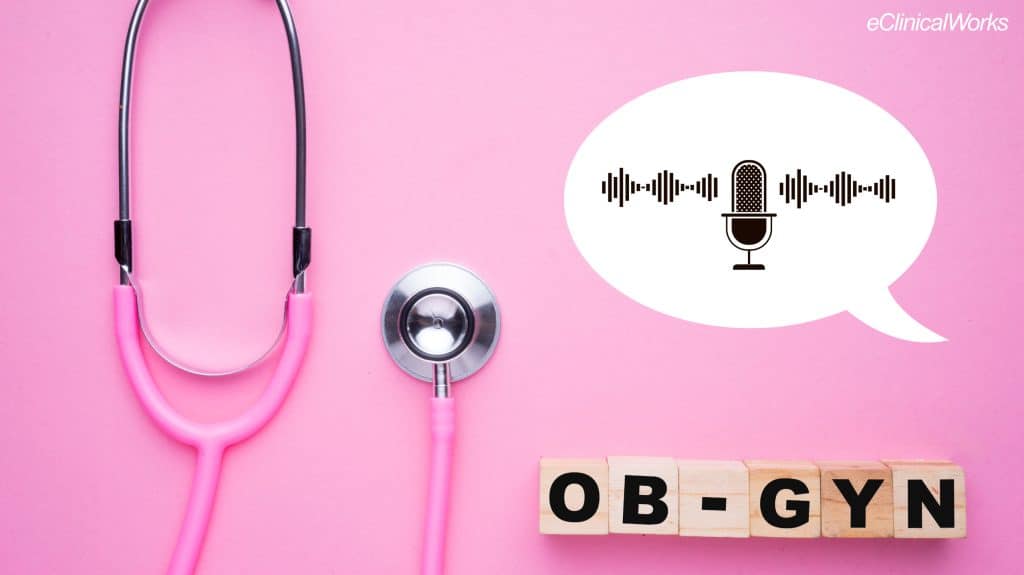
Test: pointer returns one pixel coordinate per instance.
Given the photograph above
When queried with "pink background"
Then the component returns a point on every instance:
(443, 131)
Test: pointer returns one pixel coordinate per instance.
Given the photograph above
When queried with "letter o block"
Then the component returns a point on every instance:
(573, 496)
(785, 499)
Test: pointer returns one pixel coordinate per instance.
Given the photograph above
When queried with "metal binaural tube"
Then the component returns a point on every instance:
(299, 90)
(127, 70)
(124, 133)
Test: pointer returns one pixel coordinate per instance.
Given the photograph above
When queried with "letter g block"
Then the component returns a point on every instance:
(785, 499)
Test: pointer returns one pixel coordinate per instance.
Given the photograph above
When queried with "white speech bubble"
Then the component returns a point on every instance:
(821, 259)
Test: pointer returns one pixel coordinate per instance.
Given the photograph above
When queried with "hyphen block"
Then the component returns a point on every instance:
(929, 498)
(785, 499)
(643, 495)
(713, 498)
(573, 496)
(856, 499)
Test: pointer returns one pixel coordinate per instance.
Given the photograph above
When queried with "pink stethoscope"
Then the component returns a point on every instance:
(440, 324)
(209, 439)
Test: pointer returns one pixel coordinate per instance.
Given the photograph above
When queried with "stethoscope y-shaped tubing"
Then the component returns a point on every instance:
(209, 439)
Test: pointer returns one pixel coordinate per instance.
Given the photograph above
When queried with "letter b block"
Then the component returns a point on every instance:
(643, 495)
(929, 500)
(573, 496)
(785, 499)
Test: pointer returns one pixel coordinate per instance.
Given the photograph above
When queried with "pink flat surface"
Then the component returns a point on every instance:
(444, 132)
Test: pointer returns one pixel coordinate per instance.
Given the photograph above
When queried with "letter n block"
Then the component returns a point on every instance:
(785, 499)
(714, 498)
(856, 499)
(573, 496)
(929, 500)
(643, 495)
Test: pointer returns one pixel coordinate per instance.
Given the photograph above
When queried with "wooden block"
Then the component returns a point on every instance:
(573, 496)
(929, 500)
(643, 495)
(714, 499)
(856, 499)
(785, 499)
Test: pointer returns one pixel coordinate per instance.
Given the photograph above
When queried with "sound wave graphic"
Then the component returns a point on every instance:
(842, 188)
(665, 187)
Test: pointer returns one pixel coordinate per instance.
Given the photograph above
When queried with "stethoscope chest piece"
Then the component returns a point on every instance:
(440, 324)
(440, 314)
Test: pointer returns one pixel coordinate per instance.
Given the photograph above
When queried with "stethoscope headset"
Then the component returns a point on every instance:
(209, 439)
(440, 324)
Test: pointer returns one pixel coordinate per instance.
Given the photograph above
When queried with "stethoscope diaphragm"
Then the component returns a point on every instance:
(440, 313)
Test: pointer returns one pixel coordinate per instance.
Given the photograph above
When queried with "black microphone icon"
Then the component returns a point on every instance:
(749, 226)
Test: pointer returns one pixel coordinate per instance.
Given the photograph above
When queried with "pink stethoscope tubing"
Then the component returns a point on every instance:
(209, 439)
(442, 436)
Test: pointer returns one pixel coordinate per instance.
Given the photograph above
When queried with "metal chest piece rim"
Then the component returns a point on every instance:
(440, 313)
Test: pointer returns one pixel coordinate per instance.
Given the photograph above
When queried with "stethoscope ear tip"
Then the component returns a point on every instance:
(440, 314)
